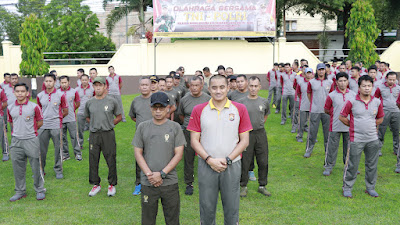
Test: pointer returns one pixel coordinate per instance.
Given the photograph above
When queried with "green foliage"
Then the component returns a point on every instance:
(27, 7)
(71, 27)
(126, 7)
(33, 44)
(362, 31)
(10, 24)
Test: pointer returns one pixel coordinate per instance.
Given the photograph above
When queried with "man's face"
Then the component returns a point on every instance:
(21, 93)
(93, 74)
(348, 64)
(321, 72)
(197, 73)
(159, 112)
(287, 68)
(206, 73)
(196, 87)
(276, 68)
(241, 84)
(161, 85)
(342, 68)
(328, 70)
(221, 72)
(254, 87)
(281, 68)
(342, 83)
(372, 73)
(154, 86)
(85, 81)
(232, 85)
(365, 88)
(79, 74)
(295, 67)
(181, 72)
(218, 89)
(358, 65)
(382, 66)
(49, 82)
(334, 64)
(99, 88)
(377, 64)
(309, 75)
(145, 86)
(177, 82)
(111, 70)
(55, 73)
(14, 80)
(169, 83)
(391, 80)
(7, 79)
(229, 72)
(64, 83)
(355, 73)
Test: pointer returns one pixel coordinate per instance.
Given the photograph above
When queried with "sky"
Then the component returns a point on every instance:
(95, 5)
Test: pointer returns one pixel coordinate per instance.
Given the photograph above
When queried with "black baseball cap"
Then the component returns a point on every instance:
(232, 77)
(154, 78)
(177, 76)
(159, 98)
(220, 67)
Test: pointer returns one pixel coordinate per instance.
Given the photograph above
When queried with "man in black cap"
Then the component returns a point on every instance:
(232, 83)
(100, 112)
(158, 147)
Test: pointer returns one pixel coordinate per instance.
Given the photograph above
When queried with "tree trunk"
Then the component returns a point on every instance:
(284, 22)
(346, 16)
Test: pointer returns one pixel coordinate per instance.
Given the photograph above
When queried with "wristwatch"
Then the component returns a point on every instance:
(228, 161)
(163, 175)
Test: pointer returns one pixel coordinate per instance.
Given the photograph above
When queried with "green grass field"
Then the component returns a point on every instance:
(300, 194)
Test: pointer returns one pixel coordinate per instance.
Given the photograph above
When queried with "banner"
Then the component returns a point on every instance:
(214, 18)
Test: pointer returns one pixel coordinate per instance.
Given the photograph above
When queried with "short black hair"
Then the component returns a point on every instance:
(334, 60)
(296, 63)
(356, 68)
(242, 75)
(276, 64)
(81, 70)
(53, 71)
(169, 76)
(50, 75)
(255, 78)
(7, 74)
(194, 78)
(387, 64)
(84, 75)
(391, 73)
(201, 72)
(93, 69)
(287, 64)
(327, 65)
(21, 84)
(64, 77)
(218, 77)
(373, 67)
(302, 60)
(342, 74)
(111, 67)
(365, 78)
(377, 61)
(161, 79)
(14, 74)
(206, 69)
(282, 64)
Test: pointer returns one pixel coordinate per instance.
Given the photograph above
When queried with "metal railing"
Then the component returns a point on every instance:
(92, 59)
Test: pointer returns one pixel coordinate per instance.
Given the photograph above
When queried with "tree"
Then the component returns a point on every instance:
(27, 7)
(362, 31)
(33, 44)
(71, 27)
(128, 6)
(10, 24)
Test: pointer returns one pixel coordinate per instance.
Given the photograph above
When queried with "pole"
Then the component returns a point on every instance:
(273, 47)
(155, 56)
(126, 23)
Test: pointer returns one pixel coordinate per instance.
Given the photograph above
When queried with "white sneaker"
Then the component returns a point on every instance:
(111, 190)
(95, 190)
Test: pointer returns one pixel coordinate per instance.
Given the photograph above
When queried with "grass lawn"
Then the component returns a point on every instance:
(300, 194)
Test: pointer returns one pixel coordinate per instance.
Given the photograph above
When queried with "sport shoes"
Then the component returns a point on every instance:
(299, 140)
(95, 190)
(380, 153)
(59, 176)
(326, 172)
(397, 170)
(307, 155)
(283, 123)
(189, 189)
(111, 190)
(372, 193)
(17, 197)
(40, 196)
(293, 130)
(243, 191)
(78, 157)
(347, 194)
(138, 189)
(5, 157)
(264, 191)
(252, 177)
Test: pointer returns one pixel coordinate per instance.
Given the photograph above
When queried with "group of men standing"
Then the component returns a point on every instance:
(349, 101)
(33, 125)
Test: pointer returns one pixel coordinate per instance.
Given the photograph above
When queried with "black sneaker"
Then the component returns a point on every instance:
(189, 190)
